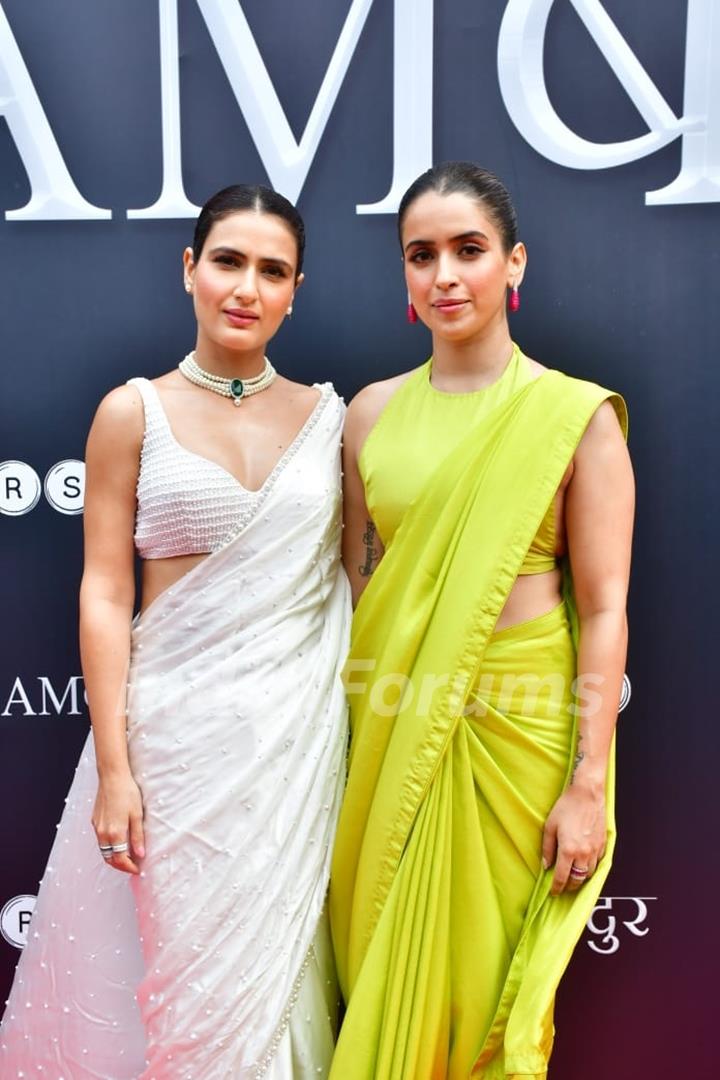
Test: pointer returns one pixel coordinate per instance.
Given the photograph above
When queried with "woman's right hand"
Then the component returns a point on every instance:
(118, 819)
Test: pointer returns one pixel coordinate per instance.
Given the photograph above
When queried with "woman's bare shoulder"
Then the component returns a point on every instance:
(368, 403)
(118, 427)
(365, 408)
(121, 408)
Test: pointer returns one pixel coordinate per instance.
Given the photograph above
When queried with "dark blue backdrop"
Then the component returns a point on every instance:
(617, 291)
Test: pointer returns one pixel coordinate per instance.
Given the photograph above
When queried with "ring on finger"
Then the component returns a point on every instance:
(118, 849)
(106, 851)
(579, 873)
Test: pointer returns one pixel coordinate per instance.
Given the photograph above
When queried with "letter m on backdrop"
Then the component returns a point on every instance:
(286, 161)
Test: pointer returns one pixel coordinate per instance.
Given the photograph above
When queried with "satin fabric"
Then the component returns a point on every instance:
(423, 425)
(449, 946)
(237, 736)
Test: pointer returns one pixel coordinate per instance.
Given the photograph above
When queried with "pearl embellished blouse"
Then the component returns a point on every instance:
(187, 504)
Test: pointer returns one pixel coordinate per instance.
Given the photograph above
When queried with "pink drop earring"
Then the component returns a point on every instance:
(412, 315)
(514, 303)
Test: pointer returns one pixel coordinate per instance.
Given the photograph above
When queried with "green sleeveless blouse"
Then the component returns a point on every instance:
(417, 429)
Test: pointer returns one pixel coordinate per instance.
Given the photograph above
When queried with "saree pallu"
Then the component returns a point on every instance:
(449, 946)
(237, 736)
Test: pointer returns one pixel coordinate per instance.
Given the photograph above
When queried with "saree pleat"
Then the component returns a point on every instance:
(449, 948)
(421, 898)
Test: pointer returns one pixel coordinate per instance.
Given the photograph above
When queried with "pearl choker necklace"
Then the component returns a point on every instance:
(236, 389)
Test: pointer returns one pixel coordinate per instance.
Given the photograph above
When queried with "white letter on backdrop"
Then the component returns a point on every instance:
(172, 201)
(699, 179)
(413, 100)
(286, 161)
(53, 195)
(522, 84)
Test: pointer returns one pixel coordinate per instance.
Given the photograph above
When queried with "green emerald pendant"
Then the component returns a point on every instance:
(237, 390)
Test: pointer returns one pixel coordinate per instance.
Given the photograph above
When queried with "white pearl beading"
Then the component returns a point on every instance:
(188, 504)
(192, 371)
(265, 1062)
(258, 498)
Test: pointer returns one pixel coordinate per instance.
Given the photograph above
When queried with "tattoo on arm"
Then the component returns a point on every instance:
(579, 755)
(371, 552)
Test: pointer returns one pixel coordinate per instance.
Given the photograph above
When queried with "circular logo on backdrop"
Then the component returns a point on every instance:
(20, 488)
(65, 486)
(15, 920)
(625, 693)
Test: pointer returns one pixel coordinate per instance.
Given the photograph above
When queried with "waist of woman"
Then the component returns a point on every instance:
(533, 595)
(161, 574)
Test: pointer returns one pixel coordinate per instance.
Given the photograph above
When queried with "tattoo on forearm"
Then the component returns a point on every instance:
(579, 755)
(371, 552)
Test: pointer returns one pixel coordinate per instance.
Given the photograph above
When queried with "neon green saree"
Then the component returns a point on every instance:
(449, 947)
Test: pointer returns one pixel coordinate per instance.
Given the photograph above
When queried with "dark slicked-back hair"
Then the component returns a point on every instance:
(469, 179)
(255, 198)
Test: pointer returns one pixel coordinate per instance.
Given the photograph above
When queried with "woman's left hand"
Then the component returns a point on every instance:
(575, 836)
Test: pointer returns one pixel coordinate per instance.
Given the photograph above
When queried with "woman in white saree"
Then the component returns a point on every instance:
(220, 775)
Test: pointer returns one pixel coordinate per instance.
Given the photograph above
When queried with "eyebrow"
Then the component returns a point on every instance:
(223, 250)
(453, 239)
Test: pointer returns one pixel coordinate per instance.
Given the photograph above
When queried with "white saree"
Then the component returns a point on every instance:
(215, 963)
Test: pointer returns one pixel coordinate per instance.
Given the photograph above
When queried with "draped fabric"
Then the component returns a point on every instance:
(237, 737)
(449, 946)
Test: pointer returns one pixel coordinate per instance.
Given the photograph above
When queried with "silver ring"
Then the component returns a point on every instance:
(117, 849)
(580, 872)
(107, 855)
(105, 847)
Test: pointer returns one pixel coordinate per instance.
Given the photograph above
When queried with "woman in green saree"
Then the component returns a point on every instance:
(488, 518)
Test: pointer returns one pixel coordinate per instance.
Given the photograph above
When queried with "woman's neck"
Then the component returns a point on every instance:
(462, 366)
(229, 363)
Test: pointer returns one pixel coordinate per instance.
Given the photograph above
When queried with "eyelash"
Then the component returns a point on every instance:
(231, 263)
(469, 251)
